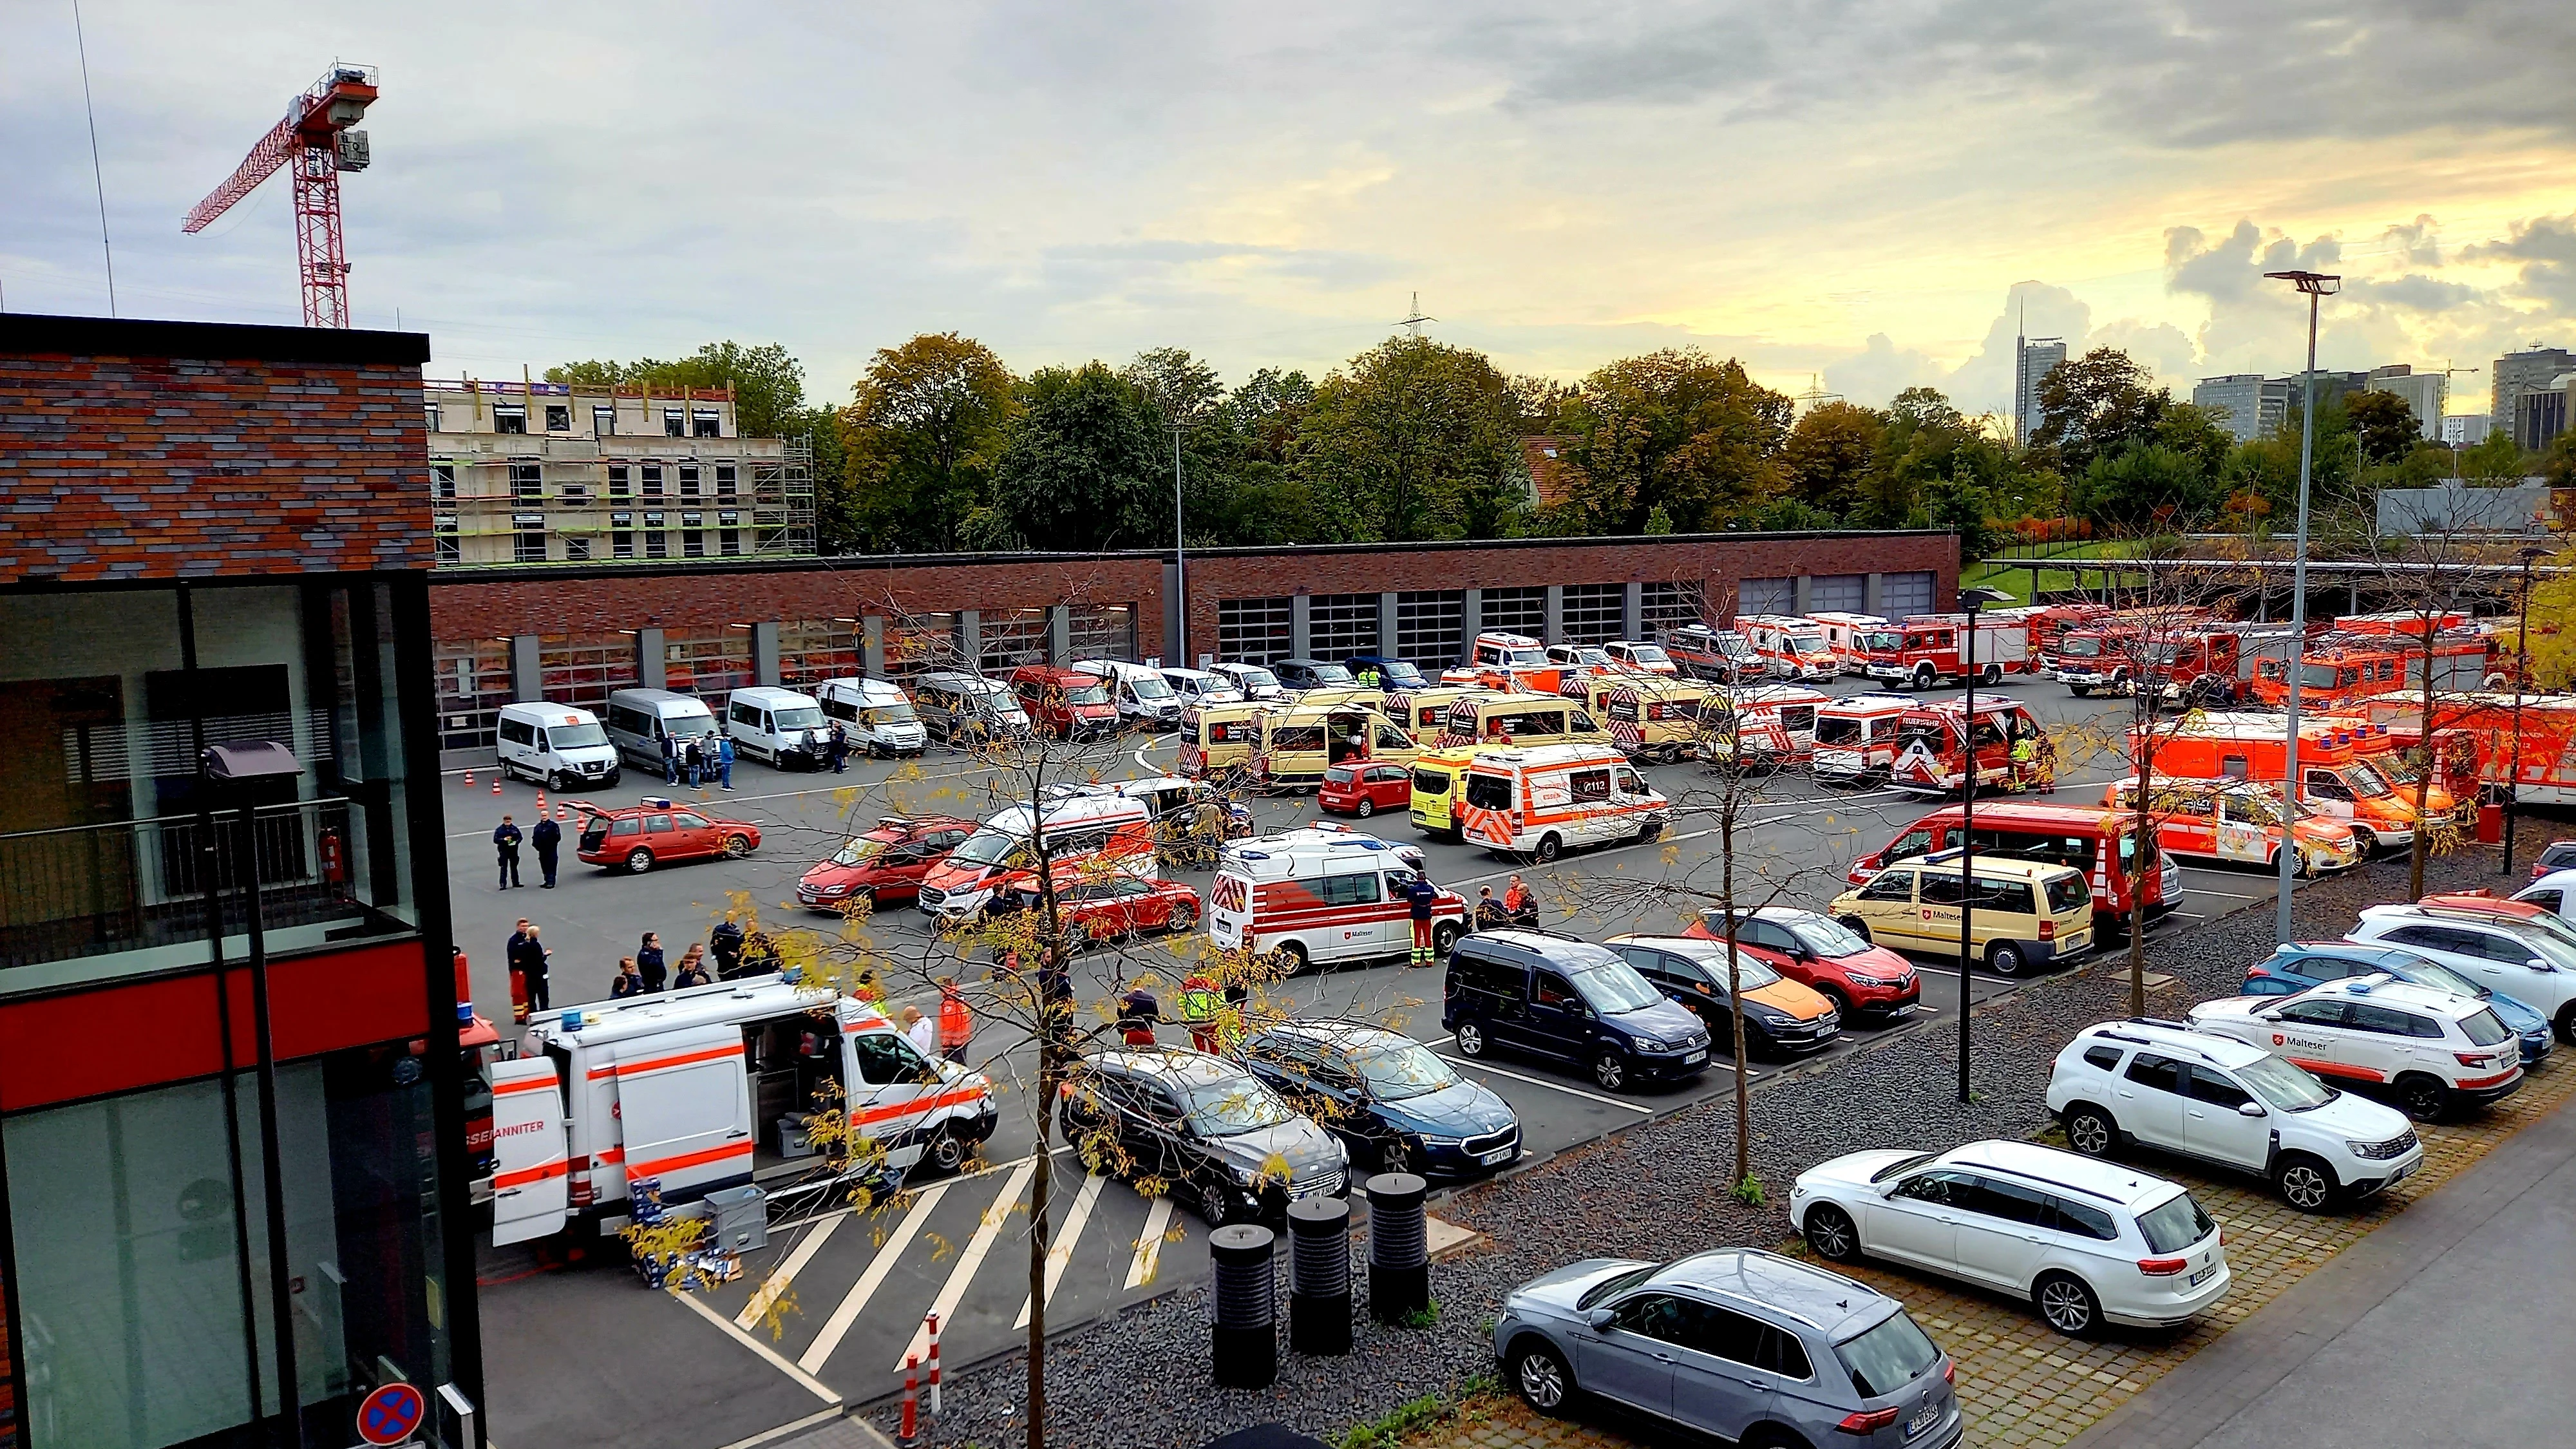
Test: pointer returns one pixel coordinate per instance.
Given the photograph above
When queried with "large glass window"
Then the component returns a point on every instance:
(1594, 613)
(1101, 631)
(1513, 611)
(710, 660)
(1252, 631)
(814, 650)
(1341, 625)
(1427, 627)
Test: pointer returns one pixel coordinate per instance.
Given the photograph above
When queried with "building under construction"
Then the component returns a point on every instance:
(539, 472)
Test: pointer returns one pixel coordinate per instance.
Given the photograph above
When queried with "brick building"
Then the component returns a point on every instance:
(575, 634)
(232, 1171)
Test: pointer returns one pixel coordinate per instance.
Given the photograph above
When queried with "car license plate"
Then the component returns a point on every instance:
(1694, 1059)
(2404, 1170)
(2203, 1276)
(1500, 1154)
(1924, 1418)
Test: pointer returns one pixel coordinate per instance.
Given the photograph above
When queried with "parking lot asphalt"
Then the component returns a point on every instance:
(836, 1302)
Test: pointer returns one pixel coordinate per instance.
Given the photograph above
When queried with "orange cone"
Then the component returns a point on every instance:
(496, 784)
(469, 779)
(541, 804)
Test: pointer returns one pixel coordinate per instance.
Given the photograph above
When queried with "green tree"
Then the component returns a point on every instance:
(1831, 455)
(2494, 461)
(1676, 430)
(1082, 464)
(768, 385)
(2094, 406)
(1414, 439)
(2384, 425)
(2150, 485)
(1181, 388)
(921, 432)
(2558, 465)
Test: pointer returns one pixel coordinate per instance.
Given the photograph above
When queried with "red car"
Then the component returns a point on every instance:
(1121, 905)
(657, 832)
(1363, 789)
(1819, 951)
(885, 864)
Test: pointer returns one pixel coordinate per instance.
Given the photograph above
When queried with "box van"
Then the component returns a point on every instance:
(1438, 777)
(1856, 738)
(1300, 742)
(1649, 716)
(2029, 912)
(1539, 801)
(640, 719)
(963, 707)
(2099, 842)
(690, 1089)
(1201, 686)
(1554, 996)
(1066, 703)
(1323, 895)
(1216, 738)
(780, 726)
(557, 746)
(1770, 726)
(1842, 636)
(1506, 661)
(877, 716)
(1140, 693)
(1252, 681)
(1085, 833)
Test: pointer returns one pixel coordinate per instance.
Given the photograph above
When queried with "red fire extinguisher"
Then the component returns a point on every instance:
(334, 871)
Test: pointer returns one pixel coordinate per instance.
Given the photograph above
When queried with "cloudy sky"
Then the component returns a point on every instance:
(1867, 191)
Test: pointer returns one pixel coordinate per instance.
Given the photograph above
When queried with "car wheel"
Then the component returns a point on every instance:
(2565, 1022)
(1216, 1203)
(2090, 1130)
(1470, 1039)
(558, 782)
(1184, 917)
(2067, 1304)
(1994, 674)
(1610, 1069)
(2304, 1183)
(1443, 936)
(2080, 691)
(2365, 842)
(1549, 847)
(737, 846)
(1842, 1004)
(2005, 959)
(2424, 1098)
(638, 861)
(1831, 1234)
(1393, 1155)
(1650, 830)
(1291, 958)
(1365, 808)
(1540, 1377)
(945, 1152)
(1924, 677)
(1858, 927)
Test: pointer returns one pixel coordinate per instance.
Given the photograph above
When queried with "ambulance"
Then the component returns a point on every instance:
(1537, 802)
(1842, 635)
(1323, 895)
(1438, 777)
(1424, 713)
(1856, 738)
(1770, 726)
(1520, 719)
(1789, 647)
(1636, 656)
(1935, 743)
(1218, 738)
(694, 1089)
(2333, 780)
(1299, 743)
(1084, 833)
(2541, 763)
(1506, 661)
(2236, 822)
(2392, 749)
(1648, 716)
(1720, 655)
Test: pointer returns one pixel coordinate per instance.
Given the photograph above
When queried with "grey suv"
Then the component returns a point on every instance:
(1749, 1346)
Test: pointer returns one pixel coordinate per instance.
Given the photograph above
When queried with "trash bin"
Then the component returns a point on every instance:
(740, 1219)
(2491, 823)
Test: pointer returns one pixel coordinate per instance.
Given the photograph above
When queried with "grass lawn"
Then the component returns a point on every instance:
(2011, 572)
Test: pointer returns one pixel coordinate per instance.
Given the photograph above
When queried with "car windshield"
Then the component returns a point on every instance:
(989, 846)
(2366, 782)
(807, 718)
(1617, 1283)
(2284, 1086)
(575, 736)
(858, 851)
(1734, 646)
(1398, 672)
(2433, 973)
(1524, 656)
(2080, 646)
(1149, 686)
(1888, 1357)
(1396, 1070)
(2176, 1225)
(1232, 1105)
(2484, 1027)
(1827, 937)
(1749, 970)
(886, 714)
(684, 728)
(2158, 653)
(1648, 654)
(1611, 987)
(1808, 643)
(1589, 655)
(1255, 677)
(2317, 676)
(1882, 641)
(1087, 694)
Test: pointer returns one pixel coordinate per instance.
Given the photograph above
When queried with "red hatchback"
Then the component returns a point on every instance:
(657, 832)
(1819, 951)
(885, 864)
(1121, 905)
(1363, 789)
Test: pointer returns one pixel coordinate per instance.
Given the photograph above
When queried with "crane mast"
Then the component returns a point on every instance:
(315, 139)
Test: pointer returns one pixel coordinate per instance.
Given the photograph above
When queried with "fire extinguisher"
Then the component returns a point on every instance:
(333, 870)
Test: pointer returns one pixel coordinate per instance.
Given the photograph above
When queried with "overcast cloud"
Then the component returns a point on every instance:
(1866, 191)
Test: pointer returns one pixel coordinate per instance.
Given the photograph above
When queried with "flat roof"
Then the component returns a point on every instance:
(30, 334)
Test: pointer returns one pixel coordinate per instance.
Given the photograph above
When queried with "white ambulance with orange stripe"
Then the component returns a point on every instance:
(697, 1089)
(1321, 895)
(1539, 802)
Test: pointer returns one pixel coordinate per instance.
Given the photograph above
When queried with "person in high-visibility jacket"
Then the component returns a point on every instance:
(1200, 1004)
(956, 1021)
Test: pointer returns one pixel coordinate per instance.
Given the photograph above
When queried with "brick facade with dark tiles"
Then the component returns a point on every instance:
(141, 450)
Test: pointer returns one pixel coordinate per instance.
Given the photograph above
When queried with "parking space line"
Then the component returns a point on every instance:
(1543, 1082)
(2231, 895)
(819, 1352)
(1060, 1252)
(769, 1355)
(785, 1273)
(963, 1275)
(1149, 1245)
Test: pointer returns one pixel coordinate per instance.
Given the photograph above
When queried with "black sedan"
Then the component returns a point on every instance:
(1202, 1128)
(1396, 1105)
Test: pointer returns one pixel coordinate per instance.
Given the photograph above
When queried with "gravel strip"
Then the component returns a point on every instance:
(1654, 1190)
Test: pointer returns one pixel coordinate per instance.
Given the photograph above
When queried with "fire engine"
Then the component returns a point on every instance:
(1842, 636)
(1789, 647)
(1856, 737)
(1764, 726)
(1934, 743)
(2049, 623)
(2342, 668)
(2334, 780)
(2541, 762)
(2181, 659)
(1927, 649)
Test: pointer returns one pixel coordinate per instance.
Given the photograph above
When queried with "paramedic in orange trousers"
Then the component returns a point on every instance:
(1422, 893)
(956, 1022)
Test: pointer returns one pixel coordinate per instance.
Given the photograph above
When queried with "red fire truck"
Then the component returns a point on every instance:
(2182, 661)
(2049, 623)
(2546, 747)
(1927, 649)
(1935, 742)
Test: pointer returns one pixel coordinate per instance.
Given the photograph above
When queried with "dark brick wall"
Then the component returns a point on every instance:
(138, 450)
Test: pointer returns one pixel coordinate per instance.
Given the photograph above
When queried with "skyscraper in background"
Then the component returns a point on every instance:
(2529, 370)
(2037, 358)
(2425, 394)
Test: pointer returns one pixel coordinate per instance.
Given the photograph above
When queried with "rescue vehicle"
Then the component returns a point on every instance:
(1648, 716)
(1575, 661)
(2541, 763)
(692, 1089)
(2185, 661)
(2341, 669)
(2427, 1049)
(1927, 649)
(2100, 842)
(1323, 895)
(1856, 738)
(1719, 655)
(1537, 802)
(2047, 624)
(1424, 713)
(1299, 743)
(1217, 738)
(1935, 741)
(1842, 636)
(1438, 777)
(1765, 726)
(1639, 657)
(2333, 780)
(1506, 661)
(1789, 647)
(1520, 719)
(2235, 822)
(2392, 750)
(1085, 834)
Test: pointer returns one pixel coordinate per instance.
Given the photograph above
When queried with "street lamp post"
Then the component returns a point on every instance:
(2521, 671)
(2314, 285)
(1971, 599)
(1180, 564)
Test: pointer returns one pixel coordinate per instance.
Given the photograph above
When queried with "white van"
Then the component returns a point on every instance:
(1200, 686)
(958, 706)
(640, 719)
(780, 726)
(1252, 681)
(557, 746)
(1324, 894)
(1143, 698)
(692, 1088)
(877, 716)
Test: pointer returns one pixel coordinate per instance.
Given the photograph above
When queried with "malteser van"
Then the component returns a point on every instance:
(780, 726)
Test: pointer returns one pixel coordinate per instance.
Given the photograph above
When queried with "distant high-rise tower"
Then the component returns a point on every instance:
(2036, 358)
(2528, 371)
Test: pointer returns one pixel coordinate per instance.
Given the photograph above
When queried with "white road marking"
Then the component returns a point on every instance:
(785, 1274)
(1149, 1245)
(1544, 1082)
(819, 1351)
(1060, 1252)
(963, 1275)
(2231, 895)
(771, 1356)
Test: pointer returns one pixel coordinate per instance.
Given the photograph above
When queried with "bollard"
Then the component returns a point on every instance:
(1244, 1342)
(933, 1321)
(1399, 1261)
(908, 1433)
(1319, 1276)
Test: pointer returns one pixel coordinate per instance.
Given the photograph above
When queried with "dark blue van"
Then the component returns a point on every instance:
(1392, 674)
(1555, 996)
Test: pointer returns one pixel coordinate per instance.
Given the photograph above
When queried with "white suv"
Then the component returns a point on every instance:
(2429, 1049)
(2160, 1084)
(2087, 1242)
(2526, 958)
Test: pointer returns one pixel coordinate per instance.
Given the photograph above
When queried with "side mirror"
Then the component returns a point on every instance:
(2271, 1014)
(2537, 964)
(1600, 1318)
(2251, 1109)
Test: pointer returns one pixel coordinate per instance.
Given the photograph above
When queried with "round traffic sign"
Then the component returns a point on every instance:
(390, 1414)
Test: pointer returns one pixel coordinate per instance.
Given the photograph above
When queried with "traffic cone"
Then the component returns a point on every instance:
(496, 784)
(541, 804)
(563, 812)
(469, 779)
(908, 1433)
(934, 1365)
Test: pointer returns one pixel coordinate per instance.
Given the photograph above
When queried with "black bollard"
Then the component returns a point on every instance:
(1244, 1343)
(1319, 1276)
(1399, 1257)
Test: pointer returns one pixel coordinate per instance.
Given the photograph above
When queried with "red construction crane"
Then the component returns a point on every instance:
(315, 136)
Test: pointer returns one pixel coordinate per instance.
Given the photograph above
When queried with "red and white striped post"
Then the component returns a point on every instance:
(933, 1321)
(908, 1433)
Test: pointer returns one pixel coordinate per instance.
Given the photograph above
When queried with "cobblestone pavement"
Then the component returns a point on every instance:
(2023, 1385)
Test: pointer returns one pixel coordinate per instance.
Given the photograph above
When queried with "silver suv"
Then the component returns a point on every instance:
(1749, 1346)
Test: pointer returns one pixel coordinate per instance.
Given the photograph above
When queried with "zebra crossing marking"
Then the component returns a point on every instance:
(1149, 1244)
(963, 1275)
(820, 1350)
(1060, 1252)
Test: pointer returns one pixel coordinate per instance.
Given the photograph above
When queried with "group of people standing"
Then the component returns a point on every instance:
(548, 840)
(729, 951)
(698, 759)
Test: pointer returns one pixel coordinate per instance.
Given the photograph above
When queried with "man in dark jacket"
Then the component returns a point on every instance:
(547, 838)
(505, 843)
(726, 942)
(649, 964)
(670, 761)
(1422, 894)
(528, 958)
